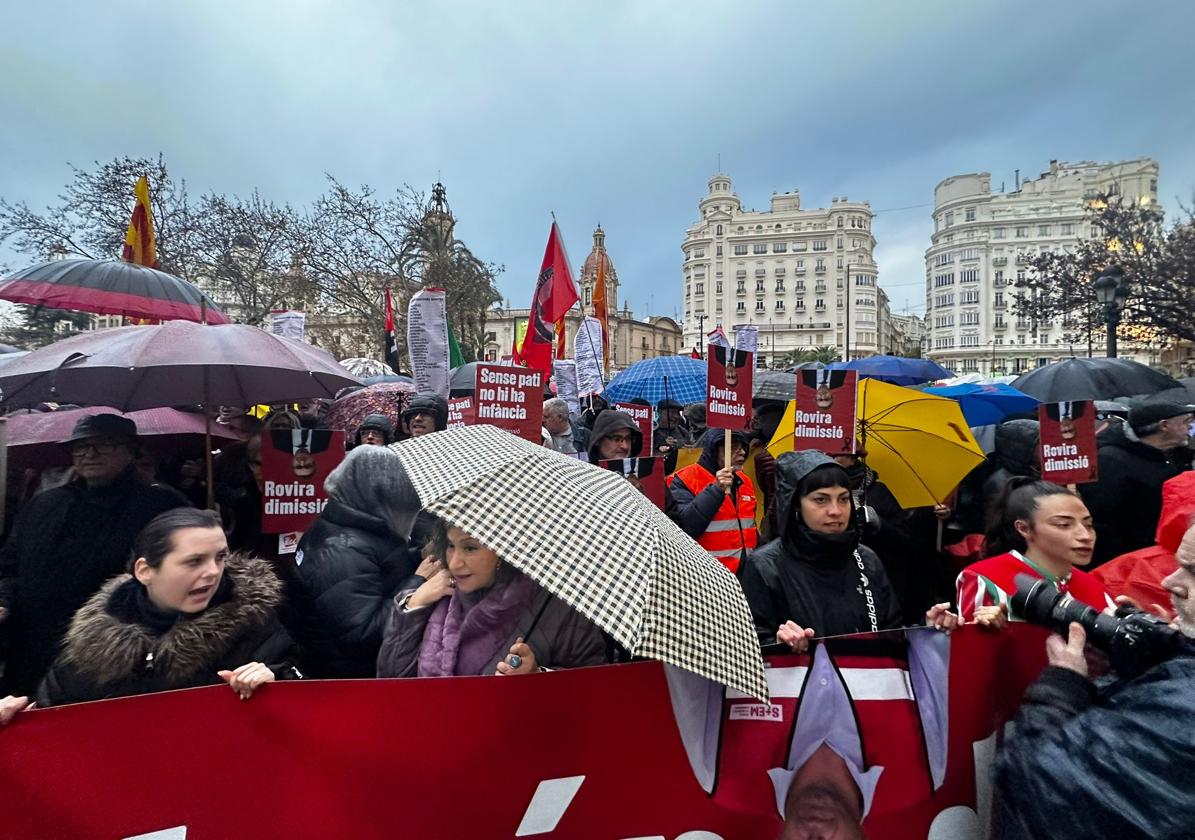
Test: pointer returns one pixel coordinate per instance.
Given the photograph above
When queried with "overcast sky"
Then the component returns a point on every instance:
(611, 112)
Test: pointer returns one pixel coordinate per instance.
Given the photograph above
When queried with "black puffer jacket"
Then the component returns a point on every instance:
(119, 645)
(1115, 765)
(810, 579)
(1126, 502)
(1015, 455)
(351, 563)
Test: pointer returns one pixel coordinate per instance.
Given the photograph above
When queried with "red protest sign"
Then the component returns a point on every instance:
(728, 388)
(1067, 451)
(510, 398)
(647, 474)
(641, 414)
(294, 465)
(460, 412)
(825, 412)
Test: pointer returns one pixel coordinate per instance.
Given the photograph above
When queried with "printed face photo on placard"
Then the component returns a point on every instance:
(728, 388)
(1068, 448)
(825, 411)
(294, 465)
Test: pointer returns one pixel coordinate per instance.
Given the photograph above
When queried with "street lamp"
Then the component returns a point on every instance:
(1111, 290)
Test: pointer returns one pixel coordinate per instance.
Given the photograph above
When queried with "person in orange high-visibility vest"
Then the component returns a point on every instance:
(715, 504)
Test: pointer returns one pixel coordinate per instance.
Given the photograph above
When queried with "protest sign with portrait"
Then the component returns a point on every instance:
(1067, 452)
(728, 388)
(294, 464)
(825, 412)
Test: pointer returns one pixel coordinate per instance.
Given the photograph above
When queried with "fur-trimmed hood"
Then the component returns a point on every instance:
(105, 648)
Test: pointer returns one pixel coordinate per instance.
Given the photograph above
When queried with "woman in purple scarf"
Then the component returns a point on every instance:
(479, 615)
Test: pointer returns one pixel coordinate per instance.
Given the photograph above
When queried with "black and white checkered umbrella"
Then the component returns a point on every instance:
(590, 538)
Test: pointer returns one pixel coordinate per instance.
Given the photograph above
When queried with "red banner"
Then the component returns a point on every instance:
(647, 474)
(460, 412)
(728, 388)
(1068, 450)
(294, 465)
(588, 753)
(825, 413)
(641, 414)
(511, 398)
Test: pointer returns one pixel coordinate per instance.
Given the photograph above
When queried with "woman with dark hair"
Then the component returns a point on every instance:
(479, 616)
(816, 578)
(1035, 528)
(190, 614)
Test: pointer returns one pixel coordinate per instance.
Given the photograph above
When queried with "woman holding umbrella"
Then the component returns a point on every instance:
(817, 579)
(479, 615)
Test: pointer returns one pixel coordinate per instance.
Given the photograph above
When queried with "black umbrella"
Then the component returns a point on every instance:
(463, 380)
(1093, 379)
(111, 287)
(775, 385)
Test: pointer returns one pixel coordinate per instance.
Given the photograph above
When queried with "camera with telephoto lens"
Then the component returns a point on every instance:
(1134, 641)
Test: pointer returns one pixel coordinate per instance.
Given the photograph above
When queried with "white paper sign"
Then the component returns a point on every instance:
(587, 349)
(427, 341)
(565, 372)
(746, 338)
(288, 324)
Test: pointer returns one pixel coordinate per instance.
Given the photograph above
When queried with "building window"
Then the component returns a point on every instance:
(740, 250)
(800, 266)
(819, 245)
(1020, 277)
(943, 280)
(1000, 277)
(760, 248)
(759, 306)
(969, 214)
(969, 341)
(719, 230)
(840, 262)
(1068, 230)
(820, 303)
(968, 319)
(700, 290)
(1022, 232)
(969, 275)
(1043, 230)
(779, 287)
(718, 287)
(821, 265)
(779, 247)
(718, 252)
(969, 296)
(997, 233)
(949, 218)
(779, 305)
(839, 244)
(840, 222)
(943, 259)
(800, 246)
(742, 306)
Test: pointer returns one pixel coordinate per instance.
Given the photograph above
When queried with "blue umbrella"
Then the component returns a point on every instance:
(984, 405)
(679, 378)
(895, 369)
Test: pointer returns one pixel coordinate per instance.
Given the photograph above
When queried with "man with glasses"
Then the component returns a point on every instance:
(67, 541)
(1126, 501)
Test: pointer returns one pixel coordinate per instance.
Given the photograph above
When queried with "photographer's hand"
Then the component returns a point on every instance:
(1068, 653)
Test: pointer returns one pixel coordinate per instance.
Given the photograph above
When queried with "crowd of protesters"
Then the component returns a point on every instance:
(115, 581)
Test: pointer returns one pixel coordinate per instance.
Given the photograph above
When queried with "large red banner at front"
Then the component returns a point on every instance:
(589, 753)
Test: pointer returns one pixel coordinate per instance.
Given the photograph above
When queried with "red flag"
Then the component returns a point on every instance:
(696, 354)
(391, 336)
(555, 294)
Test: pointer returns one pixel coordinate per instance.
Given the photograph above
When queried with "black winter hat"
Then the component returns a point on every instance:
(432, 404)
(378, 423)
(1155, 411)
(103, 425)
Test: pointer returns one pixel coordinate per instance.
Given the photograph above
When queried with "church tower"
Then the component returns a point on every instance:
(588, 277)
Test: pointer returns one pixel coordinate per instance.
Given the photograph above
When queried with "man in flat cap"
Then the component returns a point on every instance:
(67, 541)
(1126, 502)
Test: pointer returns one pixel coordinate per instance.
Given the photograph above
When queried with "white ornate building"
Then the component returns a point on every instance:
(785, 270)
(982, 244)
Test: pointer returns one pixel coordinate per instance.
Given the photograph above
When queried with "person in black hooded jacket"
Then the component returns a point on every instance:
(817, 579)
(615, 435)
(351, 563)
(425, 413)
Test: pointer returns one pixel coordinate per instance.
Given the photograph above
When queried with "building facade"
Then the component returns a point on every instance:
(631, 339)
(805, 278)
(982, 245)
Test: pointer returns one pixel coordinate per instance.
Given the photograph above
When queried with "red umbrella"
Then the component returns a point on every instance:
(111, 287)
(386, 398)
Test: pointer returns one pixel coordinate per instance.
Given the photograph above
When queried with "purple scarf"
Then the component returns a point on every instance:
(462, 638)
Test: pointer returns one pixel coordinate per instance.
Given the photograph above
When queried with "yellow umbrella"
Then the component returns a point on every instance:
(918, 443)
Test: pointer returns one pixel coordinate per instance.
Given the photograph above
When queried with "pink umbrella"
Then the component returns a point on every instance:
(35, 439)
